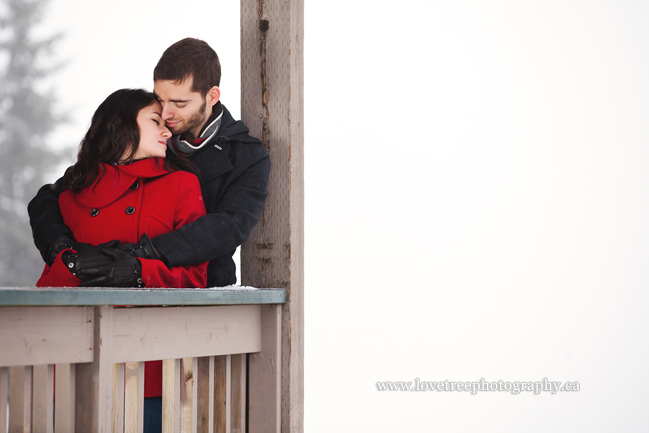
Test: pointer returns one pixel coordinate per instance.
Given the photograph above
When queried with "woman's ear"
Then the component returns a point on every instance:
(213, 95)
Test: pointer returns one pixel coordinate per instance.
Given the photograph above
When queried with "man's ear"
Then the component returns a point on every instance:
(213, 95)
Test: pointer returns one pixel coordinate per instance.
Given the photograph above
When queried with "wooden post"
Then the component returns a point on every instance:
(272, 87)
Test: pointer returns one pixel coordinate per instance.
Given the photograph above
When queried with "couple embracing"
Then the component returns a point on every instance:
(166, 186)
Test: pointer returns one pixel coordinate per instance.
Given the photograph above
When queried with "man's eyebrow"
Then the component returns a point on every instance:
(172, 100)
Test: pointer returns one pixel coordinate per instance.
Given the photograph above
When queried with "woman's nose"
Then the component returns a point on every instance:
(166, 133)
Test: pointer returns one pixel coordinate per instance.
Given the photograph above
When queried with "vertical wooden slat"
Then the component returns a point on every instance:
(170, 395)
(43, 399)
(264, 374)
(212, 414)
(20, 399)
(238, 407)
(186, 395)
(272, 106)
(228, 393)
(4, 393)
(134, 397)
(203, 395)
(65, 398)
(220, 402)
(140, 398)
(118, 397)
(94, 387)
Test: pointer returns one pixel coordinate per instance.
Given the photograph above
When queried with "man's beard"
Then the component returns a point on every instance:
(196, 120)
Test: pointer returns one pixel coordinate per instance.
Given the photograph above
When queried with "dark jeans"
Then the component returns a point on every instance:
(153, 415)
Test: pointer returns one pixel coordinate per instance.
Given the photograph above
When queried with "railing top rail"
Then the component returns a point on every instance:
(65, 296)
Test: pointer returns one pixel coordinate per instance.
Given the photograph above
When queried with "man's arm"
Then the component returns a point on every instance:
(45, 218)
(226, 227)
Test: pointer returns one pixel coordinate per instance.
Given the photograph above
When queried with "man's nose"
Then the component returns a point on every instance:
(167, 113)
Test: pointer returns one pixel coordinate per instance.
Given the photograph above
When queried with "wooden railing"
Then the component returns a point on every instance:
(203, 336)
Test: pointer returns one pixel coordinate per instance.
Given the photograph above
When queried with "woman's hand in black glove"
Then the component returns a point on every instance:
(107, 266)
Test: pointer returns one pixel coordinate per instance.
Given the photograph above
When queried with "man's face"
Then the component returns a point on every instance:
(184, 111)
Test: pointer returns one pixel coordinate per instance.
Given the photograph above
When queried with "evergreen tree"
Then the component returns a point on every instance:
(26, 118)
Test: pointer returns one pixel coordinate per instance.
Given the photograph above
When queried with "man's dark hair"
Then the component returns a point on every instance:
(190, 58)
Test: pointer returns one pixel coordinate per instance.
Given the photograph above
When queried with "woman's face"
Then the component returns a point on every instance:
(153, 132)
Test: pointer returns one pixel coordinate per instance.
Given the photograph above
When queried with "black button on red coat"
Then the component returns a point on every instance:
(94, 212)
(130, 210)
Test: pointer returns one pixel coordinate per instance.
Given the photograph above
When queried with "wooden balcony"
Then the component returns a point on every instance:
(221, 352)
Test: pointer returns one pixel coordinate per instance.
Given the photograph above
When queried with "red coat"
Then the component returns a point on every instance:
(128, 201)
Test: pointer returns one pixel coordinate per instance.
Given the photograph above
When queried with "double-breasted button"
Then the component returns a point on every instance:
(94, 212)
(135, 185)
(130, 210)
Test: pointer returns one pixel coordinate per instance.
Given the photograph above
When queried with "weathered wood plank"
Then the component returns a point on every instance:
(4, 393)
(272, 106)
(148, 334)
(65, 398)
(220, 389)
(212, 404)
(20, 399)
(94, 387)
(39, 335)
(203, 400)
(187, 401)
(62, 296)
(228, 393)
(264, 375)
(43, 399)
(238, 407)
(170, 395)
(119, 392)
(134, 397)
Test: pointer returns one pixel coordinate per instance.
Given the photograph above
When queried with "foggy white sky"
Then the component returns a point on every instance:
(477, 184)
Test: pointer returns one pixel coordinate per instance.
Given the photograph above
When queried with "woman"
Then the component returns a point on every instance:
(123, 188)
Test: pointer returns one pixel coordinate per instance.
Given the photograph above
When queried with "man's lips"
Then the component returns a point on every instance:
(171, 124)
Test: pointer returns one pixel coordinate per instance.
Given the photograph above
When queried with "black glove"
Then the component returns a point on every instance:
(63, 243)
(143, 249)
(112, 267)
(85, 261)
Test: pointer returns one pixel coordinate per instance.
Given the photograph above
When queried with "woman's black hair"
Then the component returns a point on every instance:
(113, 133)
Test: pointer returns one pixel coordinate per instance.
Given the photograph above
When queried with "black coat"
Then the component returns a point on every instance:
(234, 183)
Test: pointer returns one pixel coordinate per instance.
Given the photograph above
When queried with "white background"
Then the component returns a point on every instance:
(477, 197)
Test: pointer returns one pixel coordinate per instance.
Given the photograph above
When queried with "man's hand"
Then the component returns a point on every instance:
(107, 266)
(143, 249)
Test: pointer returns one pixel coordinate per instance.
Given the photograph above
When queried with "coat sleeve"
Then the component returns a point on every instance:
(189, 206)
(45, 217)
(228, 225)
(58, 275)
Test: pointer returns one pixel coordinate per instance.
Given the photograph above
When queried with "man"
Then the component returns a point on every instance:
(233, 167)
